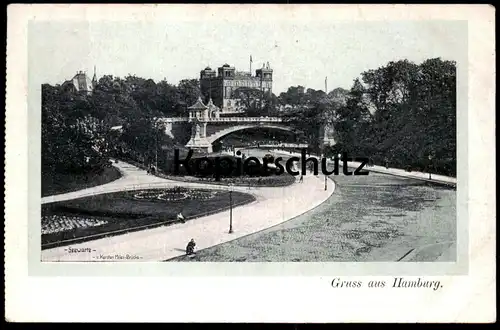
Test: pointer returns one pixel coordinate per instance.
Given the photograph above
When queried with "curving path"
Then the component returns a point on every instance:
(272, 206)
(133, 178)
(422, 176)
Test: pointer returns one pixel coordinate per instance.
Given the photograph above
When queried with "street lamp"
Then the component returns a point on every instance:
(326, 178)
(430, 159)
(156, 154)
(230, 209)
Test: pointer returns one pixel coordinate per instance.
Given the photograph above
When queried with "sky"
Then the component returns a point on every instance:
(299, 53)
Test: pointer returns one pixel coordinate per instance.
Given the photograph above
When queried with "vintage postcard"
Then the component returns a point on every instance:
(343, 146)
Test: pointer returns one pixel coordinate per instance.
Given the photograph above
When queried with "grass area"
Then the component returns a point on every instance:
(264, 181)
(125, 211)
(60, 183)
(282, 180)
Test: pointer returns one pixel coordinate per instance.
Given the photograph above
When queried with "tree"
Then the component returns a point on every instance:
(169, 103)
(293, 96)
(189, 91)
(250, 99)
(72, 138)
(404, 112)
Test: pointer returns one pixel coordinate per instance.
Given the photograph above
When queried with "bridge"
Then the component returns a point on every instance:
(207, 126)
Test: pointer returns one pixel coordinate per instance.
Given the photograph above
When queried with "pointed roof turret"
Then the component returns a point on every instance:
(198, 105)
(211, 105)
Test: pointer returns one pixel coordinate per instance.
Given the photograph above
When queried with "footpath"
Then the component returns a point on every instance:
(271, 207)
(134, 178)
(434, 178)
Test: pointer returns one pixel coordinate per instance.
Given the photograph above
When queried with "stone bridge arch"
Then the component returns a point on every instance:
(220, 133)
(207, 126)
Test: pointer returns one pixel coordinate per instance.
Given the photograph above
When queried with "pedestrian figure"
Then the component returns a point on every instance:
(190, 247)
(310, 167)
(386, 163)
(181, 217)
(301, 178)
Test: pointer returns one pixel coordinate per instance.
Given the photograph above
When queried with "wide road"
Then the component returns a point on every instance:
(369, 218)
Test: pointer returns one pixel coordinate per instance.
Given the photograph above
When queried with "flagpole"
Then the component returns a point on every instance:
(250, 64)
(326, 88)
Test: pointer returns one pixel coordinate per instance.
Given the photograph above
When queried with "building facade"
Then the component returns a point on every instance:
(81, 83)
(224, 86)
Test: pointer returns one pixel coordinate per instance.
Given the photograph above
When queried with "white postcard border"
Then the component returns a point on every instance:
(29, 284)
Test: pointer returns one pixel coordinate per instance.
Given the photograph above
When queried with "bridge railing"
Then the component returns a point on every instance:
(172, 119)
(225, 119)
(284, 145)
(247, 119)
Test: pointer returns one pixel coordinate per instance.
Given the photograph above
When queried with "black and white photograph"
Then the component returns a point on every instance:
(182, 143)
(250, 163)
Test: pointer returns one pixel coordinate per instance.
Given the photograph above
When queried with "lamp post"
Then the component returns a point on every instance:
(156, 154)
(326, 178)
(230, 209)
(430, 159)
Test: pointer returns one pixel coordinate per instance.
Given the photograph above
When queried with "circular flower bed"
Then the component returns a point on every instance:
(174, 194)
(169, 196)
(58, 223)
(202, 194)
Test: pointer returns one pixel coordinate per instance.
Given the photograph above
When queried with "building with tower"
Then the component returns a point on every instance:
(224, 86)
(81, 83)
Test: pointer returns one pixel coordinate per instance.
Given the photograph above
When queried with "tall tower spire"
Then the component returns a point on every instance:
(94, 78)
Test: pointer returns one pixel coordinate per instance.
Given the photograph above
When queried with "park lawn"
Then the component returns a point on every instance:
(252, 181)
(282, 180)
(60, 183)
(124, 213)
